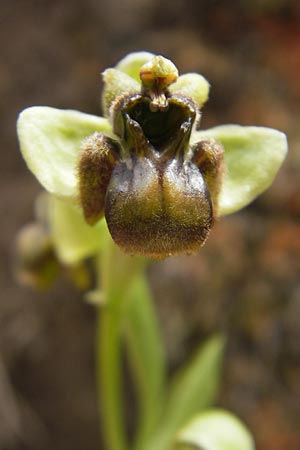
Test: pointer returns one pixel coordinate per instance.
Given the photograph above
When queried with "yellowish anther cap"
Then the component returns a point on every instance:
(158, 73)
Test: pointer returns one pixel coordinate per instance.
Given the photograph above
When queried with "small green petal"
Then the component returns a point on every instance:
(117, 83)
(73, 239)
(50, 140)
(253, 156)
(132, 63)
(215, 430)
(192, 85)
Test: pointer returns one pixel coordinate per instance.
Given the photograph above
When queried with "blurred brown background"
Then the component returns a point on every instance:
(245, 280)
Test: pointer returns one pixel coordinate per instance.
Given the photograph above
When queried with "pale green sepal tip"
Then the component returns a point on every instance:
(215, 429)
(132, 63)
(73, 239)
(116, 83)
(253, 156)
(192, 85)
(50, 140)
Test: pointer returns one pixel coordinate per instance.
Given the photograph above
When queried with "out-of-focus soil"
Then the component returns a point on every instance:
(247, 278)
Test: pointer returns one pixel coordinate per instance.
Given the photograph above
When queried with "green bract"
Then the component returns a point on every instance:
(51, 139)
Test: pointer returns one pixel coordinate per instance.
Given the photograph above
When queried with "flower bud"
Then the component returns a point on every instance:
(36, 264)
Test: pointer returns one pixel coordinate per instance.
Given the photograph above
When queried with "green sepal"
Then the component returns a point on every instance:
(215, 429)
(253, 156)
(73, 239)
(132, 63)
(50, 140)
(192, 85)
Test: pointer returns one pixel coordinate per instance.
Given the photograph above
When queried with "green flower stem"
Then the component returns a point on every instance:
(147, 358)
(116, 272)
(108, 374)
(108, 359)
(127, 311)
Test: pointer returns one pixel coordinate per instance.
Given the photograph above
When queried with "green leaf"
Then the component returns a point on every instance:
(193, 389)
(196, 386)
(132, 63)
(72, 237)
(215, 430)
(253, 156)
(50, 140)
(147, 357)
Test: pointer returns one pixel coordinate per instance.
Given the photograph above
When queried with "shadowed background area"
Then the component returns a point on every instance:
(245, 280)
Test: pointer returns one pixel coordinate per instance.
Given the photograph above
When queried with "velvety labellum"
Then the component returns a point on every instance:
(158, 211)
